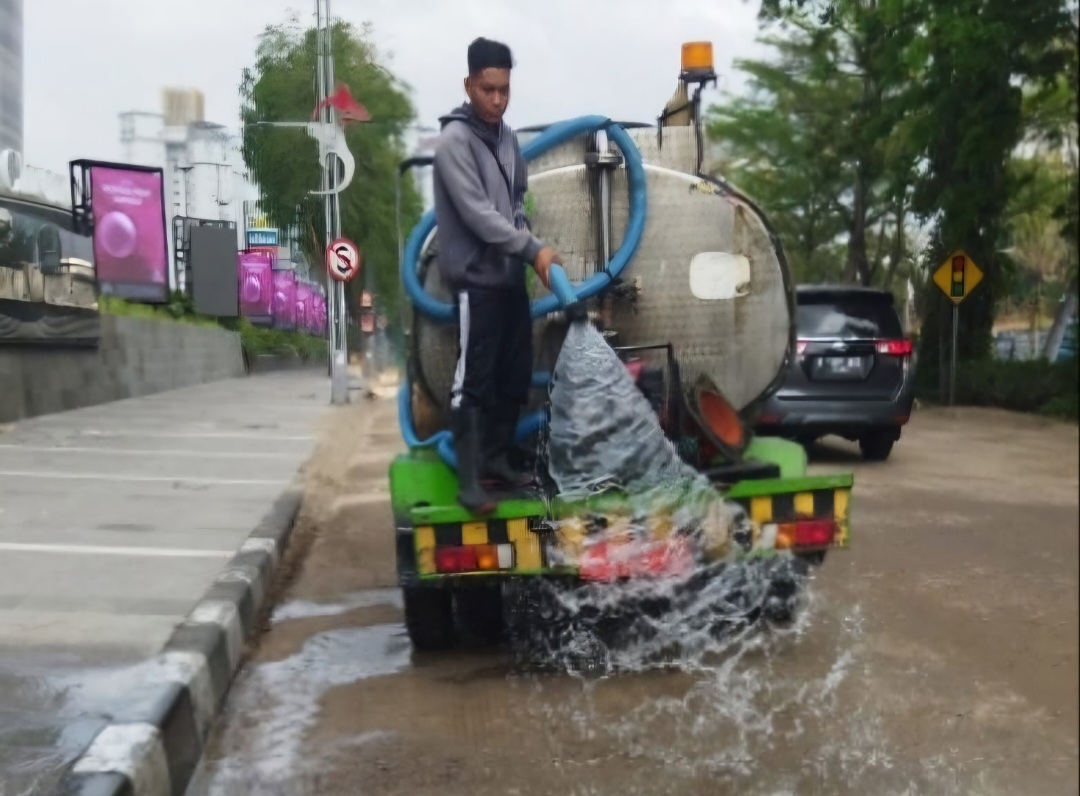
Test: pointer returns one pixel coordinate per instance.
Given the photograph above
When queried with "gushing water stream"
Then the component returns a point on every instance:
(685, 589)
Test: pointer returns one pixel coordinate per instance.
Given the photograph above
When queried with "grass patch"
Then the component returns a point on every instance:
(259, 341)
(178, 309)
(1033, 386)
(255, 340)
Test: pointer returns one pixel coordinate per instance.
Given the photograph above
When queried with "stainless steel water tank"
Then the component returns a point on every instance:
(709, 277)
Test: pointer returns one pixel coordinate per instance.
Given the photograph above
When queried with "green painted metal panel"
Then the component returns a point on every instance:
(789, 456)
(424, 489)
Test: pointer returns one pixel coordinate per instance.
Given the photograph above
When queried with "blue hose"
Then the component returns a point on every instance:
(563, 292)
(552, 137)
(560, 286)
(443, 441)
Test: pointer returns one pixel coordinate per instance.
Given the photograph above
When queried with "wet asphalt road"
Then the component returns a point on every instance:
(937, 656)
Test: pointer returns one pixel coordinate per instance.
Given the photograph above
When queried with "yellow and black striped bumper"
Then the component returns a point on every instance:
(524, 533)
(535, 545)
(819, 504)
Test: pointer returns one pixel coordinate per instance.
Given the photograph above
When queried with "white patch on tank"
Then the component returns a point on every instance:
(715, 276)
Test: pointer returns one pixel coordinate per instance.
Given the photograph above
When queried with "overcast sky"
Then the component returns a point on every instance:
(85, 62)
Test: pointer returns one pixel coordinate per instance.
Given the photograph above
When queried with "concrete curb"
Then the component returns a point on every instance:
(154, 751)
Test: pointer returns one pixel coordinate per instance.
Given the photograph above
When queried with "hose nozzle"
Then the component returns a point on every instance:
(577, 312)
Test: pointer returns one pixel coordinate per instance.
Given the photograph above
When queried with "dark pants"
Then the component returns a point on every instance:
(495, 360)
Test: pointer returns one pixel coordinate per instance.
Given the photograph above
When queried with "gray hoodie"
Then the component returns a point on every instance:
(484, 240)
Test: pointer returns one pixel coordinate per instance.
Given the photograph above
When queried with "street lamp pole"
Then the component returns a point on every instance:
(337, 315)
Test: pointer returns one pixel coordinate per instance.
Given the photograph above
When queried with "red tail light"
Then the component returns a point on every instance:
(814, 533)
(895, 348)
(455, 559)
(605, 563)
(800, 346)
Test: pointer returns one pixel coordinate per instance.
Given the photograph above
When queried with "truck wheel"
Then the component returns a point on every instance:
(877, 445)
(429, 618)
(480, 614)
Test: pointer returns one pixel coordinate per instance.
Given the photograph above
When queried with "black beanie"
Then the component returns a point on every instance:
(488, 54)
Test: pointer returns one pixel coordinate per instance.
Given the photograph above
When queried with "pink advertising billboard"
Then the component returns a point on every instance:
(255, 271)
(303, 303)
(130, 248)
(318, 315)
(284, 303)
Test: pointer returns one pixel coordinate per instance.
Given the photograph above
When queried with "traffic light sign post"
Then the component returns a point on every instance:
(956, 277)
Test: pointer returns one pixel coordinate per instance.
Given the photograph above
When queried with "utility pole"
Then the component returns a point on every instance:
(336, 313)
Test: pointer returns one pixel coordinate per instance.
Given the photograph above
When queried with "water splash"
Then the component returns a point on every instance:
(732, 699)
(605, 435)
(720, 716)
(663, 576)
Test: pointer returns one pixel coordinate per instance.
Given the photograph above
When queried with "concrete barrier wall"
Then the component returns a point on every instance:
(136, 357)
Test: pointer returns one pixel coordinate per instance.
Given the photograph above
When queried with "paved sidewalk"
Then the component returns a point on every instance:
(114, 520)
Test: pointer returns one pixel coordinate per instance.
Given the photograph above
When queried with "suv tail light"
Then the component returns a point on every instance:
(895, 348)
(800, 346)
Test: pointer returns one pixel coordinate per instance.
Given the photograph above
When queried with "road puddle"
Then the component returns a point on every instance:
(804, 708)
(279, 702)
(304, 609)
(51, 707)
(673, 686)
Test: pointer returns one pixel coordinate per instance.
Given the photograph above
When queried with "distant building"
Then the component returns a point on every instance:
(183, 106)
(204, 172)
(11, 75)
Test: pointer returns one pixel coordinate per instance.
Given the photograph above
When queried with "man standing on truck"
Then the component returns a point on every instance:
(480, 180)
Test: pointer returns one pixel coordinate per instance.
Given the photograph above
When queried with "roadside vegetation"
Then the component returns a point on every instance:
(881, 135)
(255, 340)
(1037, 386)
(285, 161)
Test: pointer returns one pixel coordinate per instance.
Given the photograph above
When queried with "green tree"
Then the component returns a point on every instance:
(1037, 244)
(821, 141)
(966, 110)
(280, 87)
(778, 143)
(16, 244)
(1053, 132)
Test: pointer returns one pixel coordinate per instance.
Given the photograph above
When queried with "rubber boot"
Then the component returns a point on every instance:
(468, 447)
(499, 472)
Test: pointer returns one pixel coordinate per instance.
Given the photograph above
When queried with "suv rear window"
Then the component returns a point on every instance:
(846, 317)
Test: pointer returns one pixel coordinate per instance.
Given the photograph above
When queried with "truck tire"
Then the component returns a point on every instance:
(534, 625)
(480, 614)
(877, 445)
(429, 618)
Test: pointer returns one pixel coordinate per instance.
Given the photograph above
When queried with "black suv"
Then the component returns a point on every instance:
(851, 374)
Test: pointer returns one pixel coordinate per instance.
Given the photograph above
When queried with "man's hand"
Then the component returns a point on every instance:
(542, 266)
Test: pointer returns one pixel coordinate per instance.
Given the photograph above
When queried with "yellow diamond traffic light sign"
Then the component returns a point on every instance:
(957, 276)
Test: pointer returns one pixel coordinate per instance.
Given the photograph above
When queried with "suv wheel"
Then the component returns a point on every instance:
(429, 617)
(877, 445)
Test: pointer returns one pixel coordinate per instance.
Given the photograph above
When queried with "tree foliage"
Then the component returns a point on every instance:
(16, 244)
(778, 144)
(1038, 244)
(968, 111)
(875, 118)
(280, 87)
(820, 139)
